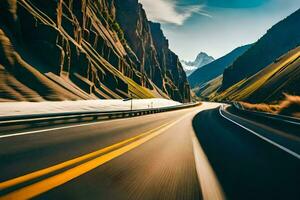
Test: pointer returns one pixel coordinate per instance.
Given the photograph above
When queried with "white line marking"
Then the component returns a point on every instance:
(71, 126)
(260, 136)
(285, 120)
(209, 183)
(59, 128)
(273, 116)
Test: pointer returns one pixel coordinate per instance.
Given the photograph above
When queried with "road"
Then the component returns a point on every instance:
(193, 153)
(251, 159)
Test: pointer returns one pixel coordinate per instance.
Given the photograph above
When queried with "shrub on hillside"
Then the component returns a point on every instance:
(261, 107)
(290, 106)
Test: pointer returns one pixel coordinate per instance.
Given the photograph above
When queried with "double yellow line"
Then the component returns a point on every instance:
(93, 160)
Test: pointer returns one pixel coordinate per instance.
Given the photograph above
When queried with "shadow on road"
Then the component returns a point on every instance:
(246, 166)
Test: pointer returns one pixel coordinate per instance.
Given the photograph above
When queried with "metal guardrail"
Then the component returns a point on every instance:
(281, 118)
(94, 115)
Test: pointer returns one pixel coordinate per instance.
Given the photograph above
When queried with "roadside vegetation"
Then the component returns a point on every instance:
(289, 106)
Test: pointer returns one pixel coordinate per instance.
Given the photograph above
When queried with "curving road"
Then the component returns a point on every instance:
(252, 159)
(196, 153)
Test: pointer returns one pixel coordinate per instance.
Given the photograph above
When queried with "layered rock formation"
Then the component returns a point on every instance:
(83, 49)
(173, 77)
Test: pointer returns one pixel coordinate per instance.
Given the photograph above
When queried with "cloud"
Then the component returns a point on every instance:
(235, 3)
(166, 11)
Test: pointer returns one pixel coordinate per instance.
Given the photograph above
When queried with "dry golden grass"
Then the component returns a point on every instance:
(262, 107)
(290, 106)
(138, 91)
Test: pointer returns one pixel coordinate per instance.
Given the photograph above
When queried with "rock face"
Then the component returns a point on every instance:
(281, 38)
(174, 79)
(84, 49)
(201, 60)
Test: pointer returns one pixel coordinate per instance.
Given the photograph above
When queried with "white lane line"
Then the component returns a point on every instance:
(209, 183)
(58, 128)
(285, 120)
(260, 136)
(275, 117)
(66, 127)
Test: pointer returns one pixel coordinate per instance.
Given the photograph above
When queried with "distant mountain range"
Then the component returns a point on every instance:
(263, 73)
(215, 68)
(201, 60)
(70, 50)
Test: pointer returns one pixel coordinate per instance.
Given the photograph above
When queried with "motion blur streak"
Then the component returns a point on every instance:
(210, 186)
(48, 170)
(52, 182)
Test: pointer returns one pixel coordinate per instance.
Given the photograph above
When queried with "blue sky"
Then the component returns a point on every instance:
(215, 26)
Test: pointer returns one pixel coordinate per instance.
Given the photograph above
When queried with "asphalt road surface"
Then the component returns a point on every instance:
(196, 153)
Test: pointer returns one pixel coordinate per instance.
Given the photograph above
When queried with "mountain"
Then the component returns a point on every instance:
(201, 60)
(269, 84)
(208, 72)
(281, 38)
(84, 49)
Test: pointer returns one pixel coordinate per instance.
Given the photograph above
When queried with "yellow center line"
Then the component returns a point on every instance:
(42, 172)
(45, 185)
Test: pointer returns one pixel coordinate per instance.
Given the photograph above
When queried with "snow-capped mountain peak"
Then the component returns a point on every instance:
(201, 60)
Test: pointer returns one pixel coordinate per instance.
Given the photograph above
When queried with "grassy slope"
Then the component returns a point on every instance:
(210, 89)
(269, 84)
(138, 91)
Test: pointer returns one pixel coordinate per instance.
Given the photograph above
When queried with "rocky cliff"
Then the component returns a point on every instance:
(84, 49)
(173, 77)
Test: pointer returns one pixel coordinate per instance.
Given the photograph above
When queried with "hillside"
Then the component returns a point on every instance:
(72, 50)
(281, 38)
(209, 90)
(201, 60)
(208, 72)
(269, 84)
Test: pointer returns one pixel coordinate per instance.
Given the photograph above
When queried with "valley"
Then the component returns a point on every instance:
(143, 99)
